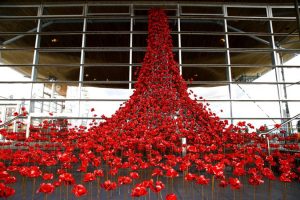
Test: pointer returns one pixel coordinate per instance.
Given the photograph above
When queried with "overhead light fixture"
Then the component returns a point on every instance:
(54, 40)
(222, 41)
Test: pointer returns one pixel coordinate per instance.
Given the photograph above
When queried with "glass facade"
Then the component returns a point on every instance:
(236, 56)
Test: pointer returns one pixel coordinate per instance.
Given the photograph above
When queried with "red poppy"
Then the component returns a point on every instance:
(157, 172)
(139, 191)
(157, 187)
(46, 188)
(235, 183)
(171, 196)
(223, 183)
(6, 191)
(89, 177)
(109, 185)
(67, 178)
(268, 173)
(171, 173)
(124, 180)
(202, 180)
(33, 172)
(190, 177)
(134, 175)
(10, 179)
(285, 177)
(98, 172)
(255, 180)
(47, 176)
(79, 190)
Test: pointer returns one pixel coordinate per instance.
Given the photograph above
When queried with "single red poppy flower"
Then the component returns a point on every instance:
(157, 187)
(47, 176)
(89, 177)
(171, 196)
(134, 175)
(124, 180)
(46, 188)
(235, 183)
(6, 191)
(171, 173)
(139, 191)
(79, 190)
(67, 178)
(202, 180)
(109, 185)
(98, 172)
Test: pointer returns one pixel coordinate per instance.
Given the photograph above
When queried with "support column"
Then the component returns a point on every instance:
(179, 38)
(275, 58)
(130, 45)
(34, 69)
(228, 62)
(82, 57)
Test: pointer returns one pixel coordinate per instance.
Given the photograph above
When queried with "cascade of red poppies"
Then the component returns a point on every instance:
(142, 141)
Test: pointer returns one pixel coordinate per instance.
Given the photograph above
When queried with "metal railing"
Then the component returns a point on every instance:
(275, 128)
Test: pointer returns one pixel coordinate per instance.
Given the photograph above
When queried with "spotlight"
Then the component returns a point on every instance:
(54, 40)
(222, 41)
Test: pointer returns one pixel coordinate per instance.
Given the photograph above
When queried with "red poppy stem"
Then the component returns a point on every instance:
(172, 185)
(33, 186)
(284, 191)
(233, 194)
(193, 190)
(60, 192)
(91, 192)
(23, 187)
(254, 193)
(270, 187)
(98, 188)
(202, 192)
(67, 191)
(212, 187)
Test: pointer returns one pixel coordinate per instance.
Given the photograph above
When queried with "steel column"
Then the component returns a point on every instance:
(131, 45)
(228, 62)
(179, 38)
(82, 57)
(275, 58)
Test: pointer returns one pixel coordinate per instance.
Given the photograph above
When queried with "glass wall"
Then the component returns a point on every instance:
(66, 59)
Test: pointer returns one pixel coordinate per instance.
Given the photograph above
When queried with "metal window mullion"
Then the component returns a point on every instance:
(82, 57)
(274, 56)
(35, 61)
(228, 62)
(131, 45)
(179, 38)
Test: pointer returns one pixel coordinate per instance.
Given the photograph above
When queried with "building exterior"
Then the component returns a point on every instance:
(72, 57)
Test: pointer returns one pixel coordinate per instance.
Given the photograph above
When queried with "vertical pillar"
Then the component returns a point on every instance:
(130, 45)
(179, 38)
(275, 58)
(82, 57)
(297, 16)
(228, 62)
(35, 62)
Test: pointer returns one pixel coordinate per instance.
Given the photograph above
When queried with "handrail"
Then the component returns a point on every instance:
(283, 123)
(268, 141)
(11, 120)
